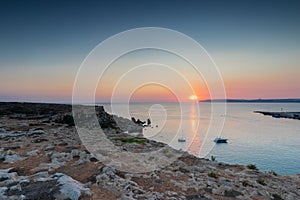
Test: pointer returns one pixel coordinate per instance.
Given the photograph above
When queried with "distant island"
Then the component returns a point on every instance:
(252, 100)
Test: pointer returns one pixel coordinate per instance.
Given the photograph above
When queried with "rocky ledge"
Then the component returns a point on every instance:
(42, 157)
(288, 115)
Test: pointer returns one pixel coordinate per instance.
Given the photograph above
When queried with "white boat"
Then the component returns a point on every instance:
(181, 139)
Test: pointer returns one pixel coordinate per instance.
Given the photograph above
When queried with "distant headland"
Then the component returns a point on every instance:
(253, 100)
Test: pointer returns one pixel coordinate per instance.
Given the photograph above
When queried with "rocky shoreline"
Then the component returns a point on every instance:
(42, 157)
(288, 115)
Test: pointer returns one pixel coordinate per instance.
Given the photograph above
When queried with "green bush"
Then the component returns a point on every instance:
(277, 197)
(213, 175)
(261, 181)
(252, 166)
(66, 119)
(213, 158)
(245, 183)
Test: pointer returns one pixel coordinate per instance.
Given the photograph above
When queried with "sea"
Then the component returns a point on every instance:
(272, 144)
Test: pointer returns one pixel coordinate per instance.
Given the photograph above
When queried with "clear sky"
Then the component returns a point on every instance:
(256, 44)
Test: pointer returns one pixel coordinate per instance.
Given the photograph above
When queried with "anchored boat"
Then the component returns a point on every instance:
(220, 140)
(182, 139)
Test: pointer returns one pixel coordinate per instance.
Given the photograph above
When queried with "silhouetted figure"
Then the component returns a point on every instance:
(139, 122)
(148, 122)
(133, 119)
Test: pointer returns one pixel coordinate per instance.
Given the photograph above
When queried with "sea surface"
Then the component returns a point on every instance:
(269, 143)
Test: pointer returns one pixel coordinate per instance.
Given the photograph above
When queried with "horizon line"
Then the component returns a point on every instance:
(109, 102)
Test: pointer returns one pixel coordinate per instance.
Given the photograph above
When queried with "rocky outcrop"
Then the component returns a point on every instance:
(40, 186)
(10, 134)
(288, 115)
(41, 159)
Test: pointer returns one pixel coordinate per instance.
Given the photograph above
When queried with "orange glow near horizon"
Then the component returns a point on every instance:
(193, 97)
(153, 92)
(56, 86)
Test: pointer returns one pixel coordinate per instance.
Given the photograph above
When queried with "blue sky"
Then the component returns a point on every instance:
(47, 40)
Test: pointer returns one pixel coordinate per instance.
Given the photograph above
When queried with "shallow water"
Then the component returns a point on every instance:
(269, 143)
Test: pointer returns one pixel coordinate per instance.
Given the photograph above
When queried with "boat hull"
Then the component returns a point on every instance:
(220, 140)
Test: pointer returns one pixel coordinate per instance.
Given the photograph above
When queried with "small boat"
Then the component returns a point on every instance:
(181, 139)
(220, 140)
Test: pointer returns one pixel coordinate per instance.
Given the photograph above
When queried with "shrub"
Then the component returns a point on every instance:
(261, 181)
(276, 196)
(107, 122)
(68, 119)
(252, 166)
(213, 158)
(130, 140)
(213, 175)
(273, 172)
(245, 183)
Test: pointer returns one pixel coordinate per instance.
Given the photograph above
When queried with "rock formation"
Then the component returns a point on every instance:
(41, 158)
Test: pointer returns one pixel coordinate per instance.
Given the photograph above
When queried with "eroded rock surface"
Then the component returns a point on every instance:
(40, 186)
(43, 158)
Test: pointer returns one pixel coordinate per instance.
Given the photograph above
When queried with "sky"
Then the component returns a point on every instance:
(255, 44)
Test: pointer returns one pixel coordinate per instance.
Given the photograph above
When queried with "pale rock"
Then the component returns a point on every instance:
(49, 148)
(12, 158)
(16, 187)
(10, 134)
(3, 129)
(102, 178)
(75, 152)
(198, 169)
(171, 193)
(60, 158)
(70, 188)
(110, 171)
(32, 153)
(40, 175)
(35, 132)
(135, 134)
(7, 177)
(46, 167)
(2, 192)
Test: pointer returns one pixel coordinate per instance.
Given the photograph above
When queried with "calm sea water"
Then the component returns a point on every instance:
(269, 143)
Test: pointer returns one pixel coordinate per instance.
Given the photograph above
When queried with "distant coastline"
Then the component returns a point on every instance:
(289, 115)
(252, 100)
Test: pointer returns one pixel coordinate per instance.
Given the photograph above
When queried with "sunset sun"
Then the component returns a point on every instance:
(193, 97)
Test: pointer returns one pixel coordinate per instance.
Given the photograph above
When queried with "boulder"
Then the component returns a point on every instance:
(35, 132)
(10, 134)
(12, 158)
(49, 148)
(32, 153)
(40, 186)
(70, 188)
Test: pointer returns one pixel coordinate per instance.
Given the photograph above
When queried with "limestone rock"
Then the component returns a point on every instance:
(70, 188)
